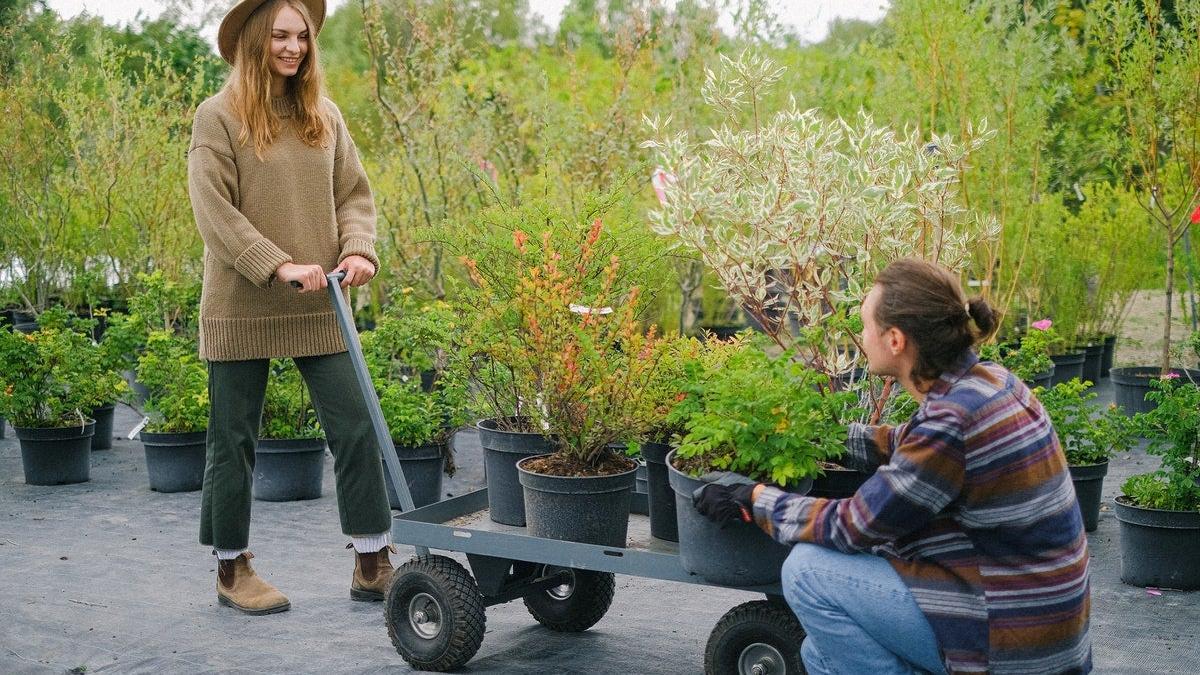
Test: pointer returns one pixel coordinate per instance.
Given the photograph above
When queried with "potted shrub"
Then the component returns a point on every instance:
(1031, 360)
(289, 459)
(176, 410)
(582, 364)
(666, 391)
(1088, 440)
(419, 374)
(49, 381)
(768, 418)
(1159, 512)
(110, 387)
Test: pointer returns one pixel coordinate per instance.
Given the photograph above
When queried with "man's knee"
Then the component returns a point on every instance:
(796, 576)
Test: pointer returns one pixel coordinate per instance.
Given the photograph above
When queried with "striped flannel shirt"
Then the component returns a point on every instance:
(972, 504)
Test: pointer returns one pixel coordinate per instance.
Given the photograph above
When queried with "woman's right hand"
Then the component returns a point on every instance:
(310, 277)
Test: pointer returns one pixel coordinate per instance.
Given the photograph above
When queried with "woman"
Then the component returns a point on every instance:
(965, 550)
(279, 196)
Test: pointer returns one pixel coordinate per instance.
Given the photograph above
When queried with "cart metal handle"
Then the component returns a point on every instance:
(382, 435)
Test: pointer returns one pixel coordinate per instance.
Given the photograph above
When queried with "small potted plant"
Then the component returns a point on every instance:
(416, 363)
(49, 381)
(581, 362)
(1159, 512)
(1088, 440)
(176, 409)
(1030, 360)
(110, 387)
(289, 459)
(768, 418)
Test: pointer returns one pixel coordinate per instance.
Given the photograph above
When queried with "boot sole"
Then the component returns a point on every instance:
(253, 612)
(365, 596)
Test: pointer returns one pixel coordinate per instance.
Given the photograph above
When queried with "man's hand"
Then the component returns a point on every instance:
(727, 497)
(358, 270)
(310, 277)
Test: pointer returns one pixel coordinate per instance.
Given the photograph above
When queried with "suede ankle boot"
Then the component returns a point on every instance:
(240, 588)
(372, 572)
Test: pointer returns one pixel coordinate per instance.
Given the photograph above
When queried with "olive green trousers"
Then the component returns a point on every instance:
(236, 390)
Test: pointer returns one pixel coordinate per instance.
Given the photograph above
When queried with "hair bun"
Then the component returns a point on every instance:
(983, 315)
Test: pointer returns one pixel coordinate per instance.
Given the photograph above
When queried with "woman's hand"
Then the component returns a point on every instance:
(310, 277)
(358, 270)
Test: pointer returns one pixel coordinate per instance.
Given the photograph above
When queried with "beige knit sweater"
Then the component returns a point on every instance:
(298, 204)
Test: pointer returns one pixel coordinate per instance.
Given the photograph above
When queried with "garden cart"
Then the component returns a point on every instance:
(435, 608)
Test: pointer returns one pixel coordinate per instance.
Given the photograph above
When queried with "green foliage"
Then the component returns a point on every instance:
(680, 359)
(1032, 356)
(1086, 437)
(52, 378)
(760, 416)
(177, 382)
(1173, 428)
(288, 410)
(418, 366)
(157, 305)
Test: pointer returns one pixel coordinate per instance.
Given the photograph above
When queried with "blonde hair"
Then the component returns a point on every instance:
(249, 83)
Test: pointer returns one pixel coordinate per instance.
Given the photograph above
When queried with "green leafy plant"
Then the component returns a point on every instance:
(1086, 438)
(668, 388)
(766, 417)
(51, 378)
(158, 304)
(1173, 428)
(1032, 357)
(177, 382)
(288, 410)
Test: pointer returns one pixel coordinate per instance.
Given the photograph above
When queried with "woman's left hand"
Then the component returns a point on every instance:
(358, 270)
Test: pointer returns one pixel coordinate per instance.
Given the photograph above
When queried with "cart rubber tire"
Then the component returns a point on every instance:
(434, 595)
(589, 598)
(763, 632)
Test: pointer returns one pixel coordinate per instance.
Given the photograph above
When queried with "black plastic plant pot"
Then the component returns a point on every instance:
(584, 509)
(103, 438)
(1130, 386)
(288, 469)
(838, 483)
(1089, 484)
(1159, 548)
(58, 455)
(1067, 367)
(661, 498)
(501, 452)
(1042, 379)
(1, 428)
(1106, 357)
(641, 477)
(140, 392)
(1093, 357)
(739, 554)
(175, 461)
(422, 466)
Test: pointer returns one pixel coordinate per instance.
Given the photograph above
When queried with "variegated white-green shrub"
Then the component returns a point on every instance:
(795, 212)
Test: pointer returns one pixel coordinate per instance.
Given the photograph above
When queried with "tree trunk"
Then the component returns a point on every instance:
(1166, 347)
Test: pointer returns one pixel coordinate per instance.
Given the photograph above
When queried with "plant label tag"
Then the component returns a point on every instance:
(140, 425)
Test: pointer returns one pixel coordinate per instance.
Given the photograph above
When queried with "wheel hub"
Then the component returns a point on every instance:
(563, 590)
(425, 616)
(761, 659)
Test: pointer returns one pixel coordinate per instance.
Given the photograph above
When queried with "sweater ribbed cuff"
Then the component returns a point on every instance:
(764, 508)
(359, 246)
(259, 262)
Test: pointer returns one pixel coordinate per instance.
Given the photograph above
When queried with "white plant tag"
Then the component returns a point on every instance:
(140, 425)
(584, 309)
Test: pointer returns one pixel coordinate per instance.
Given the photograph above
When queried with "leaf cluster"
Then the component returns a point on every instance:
(766, 417)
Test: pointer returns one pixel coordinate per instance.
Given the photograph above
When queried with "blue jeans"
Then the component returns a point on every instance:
(858, 614)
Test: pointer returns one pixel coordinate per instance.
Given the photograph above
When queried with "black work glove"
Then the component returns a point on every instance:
(726, 498)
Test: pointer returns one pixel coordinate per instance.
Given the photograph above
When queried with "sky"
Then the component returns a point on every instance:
(809, 18)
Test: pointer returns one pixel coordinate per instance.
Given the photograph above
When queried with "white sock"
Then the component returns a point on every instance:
(372, 543)
(229, 553)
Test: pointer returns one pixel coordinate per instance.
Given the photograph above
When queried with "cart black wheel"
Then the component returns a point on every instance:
(434, 613)
(755, 638)
(575, 606)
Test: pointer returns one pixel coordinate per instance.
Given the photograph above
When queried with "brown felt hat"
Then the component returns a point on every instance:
(231, 25)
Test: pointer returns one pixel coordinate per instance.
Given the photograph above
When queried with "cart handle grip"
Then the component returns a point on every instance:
(333, 277)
